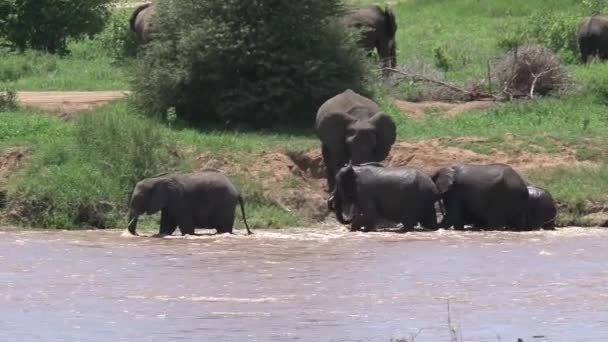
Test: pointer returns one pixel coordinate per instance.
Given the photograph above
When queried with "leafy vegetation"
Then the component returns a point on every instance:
(258, 63)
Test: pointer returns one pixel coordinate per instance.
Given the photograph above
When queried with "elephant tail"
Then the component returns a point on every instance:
(390, 22)
(135, 14)
(244, 216)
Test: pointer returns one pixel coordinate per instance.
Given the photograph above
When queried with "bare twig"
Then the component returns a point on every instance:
(535, 79)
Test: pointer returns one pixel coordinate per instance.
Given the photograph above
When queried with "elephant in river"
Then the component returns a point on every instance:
(141, 21)
(541, 209)
(352, 128)
(201, 200)
(378, 28)
(373, 192)
(492, 196)
(592, 35)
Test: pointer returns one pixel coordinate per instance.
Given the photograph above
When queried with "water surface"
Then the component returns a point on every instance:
(304, 285)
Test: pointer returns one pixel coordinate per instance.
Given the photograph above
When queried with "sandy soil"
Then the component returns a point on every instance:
(417, 110)
(67, 103)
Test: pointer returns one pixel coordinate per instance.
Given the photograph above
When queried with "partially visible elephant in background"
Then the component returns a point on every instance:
(488, 196)
(201, 200)
(541, 210)
(352, 128)
(378, 28)
(592, 35)
(399, 194)
(141, 21)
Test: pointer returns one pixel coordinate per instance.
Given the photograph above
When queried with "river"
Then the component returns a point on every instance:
(305, 285)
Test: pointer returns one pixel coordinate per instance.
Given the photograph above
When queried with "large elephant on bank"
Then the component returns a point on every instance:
(541, 209)
(491, 196)
(352, 128)
(592, 35)
(373, 192)
(202, 200)
(141, 21)
(378, 28)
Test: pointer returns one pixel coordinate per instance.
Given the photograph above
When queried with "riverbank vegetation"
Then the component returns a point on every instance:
(79, 172)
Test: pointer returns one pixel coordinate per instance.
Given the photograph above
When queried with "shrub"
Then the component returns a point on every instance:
(8, 100)
(47, 24)
(260, 63)
(530, 70)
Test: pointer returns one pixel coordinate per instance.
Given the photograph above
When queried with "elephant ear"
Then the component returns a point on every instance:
(386, 134)
(444, 179)
(164, 190)
(331, 128)
(346, 181)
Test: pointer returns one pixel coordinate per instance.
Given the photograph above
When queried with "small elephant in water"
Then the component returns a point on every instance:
(399, 194)
(592, 35)
(202, 200)
(541, 210)
(489, 196)
(353, 128)
(141, 21)
(378, 28)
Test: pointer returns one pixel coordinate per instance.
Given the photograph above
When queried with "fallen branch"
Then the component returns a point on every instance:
(420, 78)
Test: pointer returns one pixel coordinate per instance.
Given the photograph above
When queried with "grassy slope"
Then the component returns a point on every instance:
(468, 30)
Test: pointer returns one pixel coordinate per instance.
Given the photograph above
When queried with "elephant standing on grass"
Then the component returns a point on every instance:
(488, 196)
(399, 194)
(592, 37)
(352, 128)
(541, 209)
(378, 28)
(141, 21)
(202, 200)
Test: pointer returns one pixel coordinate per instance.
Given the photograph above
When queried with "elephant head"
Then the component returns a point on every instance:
(150, 196)
(362, 140)
(344, 195)
(444, 179)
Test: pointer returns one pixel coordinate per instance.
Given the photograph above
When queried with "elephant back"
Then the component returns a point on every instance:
(347, 102)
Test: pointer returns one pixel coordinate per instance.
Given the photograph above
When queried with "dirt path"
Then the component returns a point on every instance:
(68, 102)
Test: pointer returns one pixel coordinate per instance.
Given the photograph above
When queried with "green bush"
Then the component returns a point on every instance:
(47, 24)
(260, 63)
(86, 178)
(8, 100)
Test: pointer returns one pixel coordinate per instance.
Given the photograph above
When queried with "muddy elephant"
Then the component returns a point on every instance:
(492, 196)
(592, 35)
(541, 210)
(352, 128)
(205, 199)
(141, 21)
(378, 28)
(372, 192)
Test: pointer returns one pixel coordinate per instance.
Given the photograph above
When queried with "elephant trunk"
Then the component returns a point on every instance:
(133, 216)
(335, 203)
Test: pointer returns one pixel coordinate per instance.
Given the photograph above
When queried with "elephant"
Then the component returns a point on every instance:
(399, 194)
(541, 209)
(378, 28)
(592, 35)
(492, 196)
(352, 128)
(141, 21)
(206, 199)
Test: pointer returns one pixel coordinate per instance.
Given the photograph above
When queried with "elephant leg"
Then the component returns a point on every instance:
(453, 216)
(228, 224)
(429, 218)
(186, 225)
(366, 212)
(167, 223)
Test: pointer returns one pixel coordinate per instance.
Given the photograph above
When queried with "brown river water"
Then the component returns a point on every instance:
(305, 285)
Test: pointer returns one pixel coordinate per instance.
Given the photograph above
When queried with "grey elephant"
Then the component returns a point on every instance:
(378, 28)
(205, 199)
(492, 196)
(141, 21)
(592, 35)
(541, 210)
(373, 192)
(352, 128)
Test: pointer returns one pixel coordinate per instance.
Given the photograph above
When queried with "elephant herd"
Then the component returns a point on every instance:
(356, 136)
